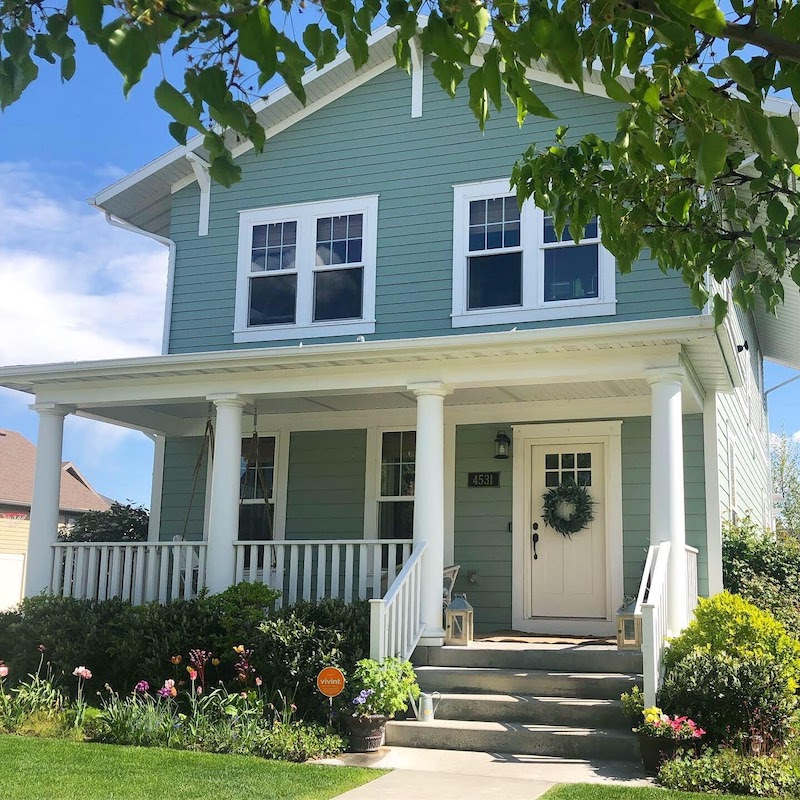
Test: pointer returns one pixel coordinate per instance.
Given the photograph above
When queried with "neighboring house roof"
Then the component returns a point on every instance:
(143, 198)
(17, 466)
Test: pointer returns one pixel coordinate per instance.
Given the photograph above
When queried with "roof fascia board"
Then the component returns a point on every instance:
(690, 327)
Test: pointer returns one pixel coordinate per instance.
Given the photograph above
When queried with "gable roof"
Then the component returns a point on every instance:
(17, 466)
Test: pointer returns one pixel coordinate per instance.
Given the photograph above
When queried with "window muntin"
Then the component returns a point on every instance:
(307, 269)
(396, 496)
(509, 265)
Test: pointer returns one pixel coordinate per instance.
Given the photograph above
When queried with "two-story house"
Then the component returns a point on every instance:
(375, 364)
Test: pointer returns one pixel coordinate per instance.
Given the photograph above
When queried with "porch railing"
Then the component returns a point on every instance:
(395, 626)
(137, 572)
(652, 606)
(314, 569)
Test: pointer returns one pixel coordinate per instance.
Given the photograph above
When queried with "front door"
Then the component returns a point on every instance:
(566, 574)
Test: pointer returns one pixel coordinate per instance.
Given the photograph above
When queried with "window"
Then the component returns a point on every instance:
(256, 517)
(307, 270)
(509, 265)
(396, 497)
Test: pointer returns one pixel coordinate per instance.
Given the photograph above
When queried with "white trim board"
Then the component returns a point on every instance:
(610, 435)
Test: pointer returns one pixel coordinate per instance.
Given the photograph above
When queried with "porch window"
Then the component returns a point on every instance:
(396, 498)
(256, 517)
(307, 270)
(509, 265)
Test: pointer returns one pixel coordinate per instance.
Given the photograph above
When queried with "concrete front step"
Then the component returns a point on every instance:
(556, 658)
(511, 737)
(539, 683)
(533, 710)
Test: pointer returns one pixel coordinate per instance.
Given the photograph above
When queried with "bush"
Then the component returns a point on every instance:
(764, 569)
(729, 772)
(123, 522)
(735, 670)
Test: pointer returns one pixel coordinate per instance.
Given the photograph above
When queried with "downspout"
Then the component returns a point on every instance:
(126, 226)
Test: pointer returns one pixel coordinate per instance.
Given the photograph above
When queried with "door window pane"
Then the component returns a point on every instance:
(570, 273)
(273, 299)
(495, 281)
(338, 294)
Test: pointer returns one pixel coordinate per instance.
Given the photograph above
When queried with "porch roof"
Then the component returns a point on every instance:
(604, 360)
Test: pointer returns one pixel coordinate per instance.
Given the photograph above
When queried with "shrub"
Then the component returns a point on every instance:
(123, 522)
(729, 772)
(764, 569)
(300, 741)
(382, 687)
(735, 670)
(742, 702)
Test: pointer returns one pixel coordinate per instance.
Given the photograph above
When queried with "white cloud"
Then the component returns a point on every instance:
(73, 287)
(796, 436)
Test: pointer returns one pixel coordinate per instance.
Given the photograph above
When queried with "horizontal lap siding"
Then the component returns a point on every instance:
(326, 485)
(367, 143)
(636, 497)
(180, 459)
(482, 539)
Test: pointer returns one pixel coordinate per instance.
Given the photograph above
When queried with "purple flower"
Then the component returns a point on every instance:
(142, 687)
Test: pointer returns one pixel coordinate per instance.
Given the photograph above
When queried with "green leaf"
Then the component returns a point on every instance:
(321, 43)
(614, 89)
(89, 14)
(178, 131)
(41, 48)
(705, 14)
(777, 213)
(760, 239)
(257, 41)
(129, 49)
(784, 137)
(678, 206)
(478, 98)
(756, 130)
(17, 43)
(711, 157)
(448, 74)
(492, 78)
(224, 171)
(719, 309)
(738, 71)
(177, 106)
(67, 68)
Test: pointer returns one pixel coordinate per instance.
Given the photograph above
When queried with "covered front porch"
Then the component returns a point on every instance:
(363, 470)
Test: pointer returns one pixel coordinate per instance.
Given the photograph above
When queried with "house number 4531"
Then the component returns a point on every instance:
(483, 479)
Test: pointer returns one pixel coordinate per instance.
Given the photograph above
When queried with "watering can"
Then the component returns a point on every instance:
(426, 706)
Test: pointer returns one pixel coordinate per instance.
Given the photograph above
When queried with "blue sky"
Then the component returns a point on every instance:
(74, 288)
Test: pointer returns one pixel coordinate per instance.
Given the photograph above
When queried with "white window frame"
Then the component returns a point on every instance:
(306, 215)
(276, 481)
(377, 479)
(533, 307)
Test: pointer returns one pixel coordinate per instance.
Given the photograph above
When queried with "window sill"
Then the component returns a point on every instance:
(274, 333)
(504, 316)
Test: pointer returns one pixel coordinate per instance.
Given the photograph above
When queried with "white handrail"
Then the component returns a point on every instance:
(692, 590)
(137, 572)
(654, 612)
(317, 569)
(395, 624)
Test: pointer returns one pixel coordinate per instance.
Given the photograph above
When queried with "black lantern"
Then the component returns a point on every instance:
(502, 445)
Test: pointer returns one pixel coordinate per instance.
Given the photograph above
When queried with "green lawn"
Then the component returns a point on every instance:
(595, 791)
(52, 769)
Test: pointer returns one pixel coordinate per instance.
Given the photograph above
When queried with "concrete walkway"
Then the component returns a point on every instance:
(420, 774)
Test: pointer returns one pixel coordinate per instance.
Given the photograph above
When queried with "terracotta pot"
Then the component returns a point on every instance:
(655, 750)
(366, 733)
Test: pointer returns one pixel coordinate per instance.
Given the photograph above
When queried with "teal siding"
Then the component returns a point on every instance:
(636, 497)
(326, 485)
(180, 458)
(367, 143)
(482, 537)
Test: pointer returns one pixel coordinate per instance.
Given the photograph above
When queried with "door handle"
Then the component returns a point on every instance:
(535, 540)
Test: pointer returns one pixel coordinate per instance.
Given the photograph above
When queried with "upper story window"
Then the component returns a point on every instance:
(307, 270)
(509, 266)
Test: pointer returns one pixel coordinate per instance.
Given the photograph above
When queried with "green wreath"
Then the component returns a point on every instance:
(567, 494)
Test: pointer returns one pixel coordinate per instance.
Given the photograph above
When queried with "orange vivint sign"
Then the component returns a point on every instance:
(330, 681)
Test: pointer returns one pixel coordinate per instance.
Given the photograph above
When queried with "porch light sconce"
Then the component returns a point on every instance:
(502, 445)
(629, 627)
(459, 621)
(745, 346)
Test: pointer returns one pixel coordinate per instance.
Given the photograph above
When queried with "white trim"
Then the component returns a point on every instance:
(713, 503)
(417, 78)
(157, 488)
(200, 168)
(609, 434)
(305, 216)
(533, 306)
(374, 480)
(372, 468)
(449, 488)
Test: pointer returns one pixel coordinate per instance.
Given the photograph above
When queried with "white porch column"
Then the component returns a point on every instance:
(46, 497)
(429, 504)
(223, 512)
(667, 509)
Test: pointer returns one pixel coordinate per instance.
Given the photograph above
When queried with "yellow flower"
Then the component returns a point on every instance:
(239, 649)
(215, 662)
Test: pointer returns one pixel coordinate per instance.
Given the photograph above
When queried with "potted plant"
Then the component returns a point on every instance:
(661, 737)
(381, 690)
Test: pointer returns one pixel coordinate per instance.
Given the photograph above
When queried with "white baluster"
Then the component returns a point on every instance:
(377, 553)
(335, 570)
(116, 567)
(280, 560)
(348, 573)
(362, 571)
(293, 557)
(308, 564)
(322, 564)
